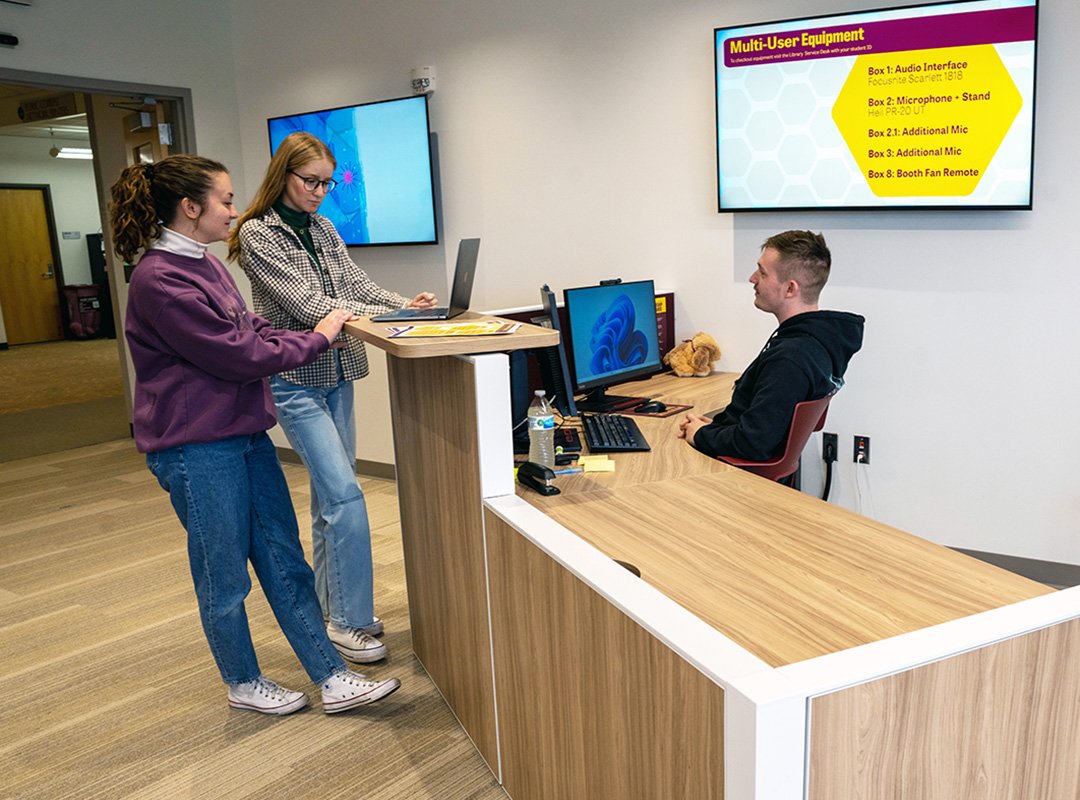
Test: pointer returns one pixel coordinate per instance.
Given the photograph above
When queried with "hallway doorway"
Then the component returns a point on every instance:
(73, 391)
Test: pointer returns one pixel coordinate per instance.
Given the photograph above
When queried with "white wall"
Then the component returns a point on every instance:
(965, 383)
(180, 44)
(575, 145)
(25, 159)
(576, 139)
(185, 45)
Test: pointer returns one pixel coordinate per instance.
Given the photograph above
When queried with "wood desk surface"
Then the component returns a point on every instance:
(786, 575)
(376, 333)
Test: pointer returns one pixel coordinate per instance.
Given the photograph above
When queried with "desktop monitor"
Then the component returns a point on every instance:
(540, 367)
(554, 370)
(613, 339)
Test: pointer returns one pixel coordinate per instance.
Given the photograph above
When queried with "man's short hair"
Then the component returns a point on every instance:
(804, 258)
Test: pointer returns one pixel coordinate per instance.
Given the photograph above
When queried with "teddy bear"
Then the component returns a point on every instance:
(694, 356)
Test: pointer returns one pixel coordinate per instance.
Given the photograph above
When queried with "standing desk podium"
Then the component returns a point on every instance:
(776, 647)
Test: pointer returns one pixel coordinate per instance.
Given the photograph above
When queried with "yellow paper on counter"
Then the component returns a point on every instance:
(596, 464)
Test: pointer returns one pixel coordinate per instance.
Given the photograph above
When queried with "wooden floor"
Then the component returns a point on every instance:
(108, 688)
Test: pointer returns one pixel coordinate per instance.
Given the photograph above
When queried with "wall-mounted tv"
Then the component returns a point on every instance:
(929, 106)
(385, 191)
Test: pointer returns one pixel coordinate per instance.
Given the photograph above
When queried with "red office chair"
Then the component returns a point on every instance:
(809, 417)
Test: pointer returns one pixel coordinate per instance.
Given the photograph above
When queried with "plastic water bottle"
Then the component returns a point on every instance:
(541, 431)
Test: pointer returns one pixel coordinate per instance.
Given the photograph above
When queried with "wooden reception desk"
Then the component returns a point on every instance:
(775, 647)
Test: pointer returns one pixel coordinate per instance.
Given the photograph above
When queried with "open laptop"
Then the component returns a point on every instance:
(460, 294)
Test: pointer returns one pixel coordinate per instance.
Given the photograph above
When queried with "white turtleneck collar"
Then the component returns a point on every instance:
(174, 242)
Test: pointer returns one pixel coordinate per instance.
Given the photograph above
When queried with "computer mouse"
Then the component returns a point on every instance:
(651, 407)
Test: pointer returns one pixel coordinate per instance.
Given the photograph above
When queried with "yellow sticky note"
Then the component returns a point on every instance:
(596, 464)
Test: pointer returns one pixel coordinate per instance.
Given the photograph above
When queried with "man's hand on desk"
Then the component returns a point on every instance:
(690, 425)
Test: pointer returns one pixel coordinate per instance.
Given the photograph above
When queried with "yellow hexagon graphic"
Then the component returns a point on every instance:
(926, 122)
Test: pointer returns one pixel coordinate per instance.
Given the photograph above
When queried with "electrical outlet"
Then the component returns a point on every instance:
(862, 450)
(830, 447)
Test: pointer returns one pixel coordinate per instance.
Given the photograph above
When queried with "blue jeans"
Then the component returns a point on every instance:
(232, 499)
(321, 427)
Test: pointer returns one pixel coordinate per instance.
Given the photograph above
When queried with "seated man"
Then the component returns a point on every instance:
(804, 359)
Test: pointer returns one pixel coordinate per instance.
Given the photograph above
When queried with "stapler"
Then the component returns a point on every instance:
(537, 477)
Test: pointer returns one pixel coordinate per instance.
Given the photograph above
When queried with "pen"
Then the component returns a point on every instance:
(568, 470)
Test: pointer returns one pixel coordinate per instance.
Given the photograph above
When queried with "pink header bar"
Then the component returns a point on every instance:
(890, 36)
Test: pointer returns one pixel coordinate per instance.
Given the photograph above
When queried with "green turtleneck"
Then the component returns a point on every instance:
(300, 222)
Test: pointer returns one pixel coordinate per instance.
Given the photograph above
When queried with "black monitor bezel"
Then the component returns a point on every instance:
(558, 362)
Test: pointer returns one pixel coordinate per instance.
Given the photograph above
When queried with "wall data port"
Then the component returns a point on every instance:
(862, 450)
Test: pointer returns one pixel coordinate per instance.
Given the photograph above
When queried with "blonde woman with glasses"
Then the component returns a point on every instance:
(300, 270)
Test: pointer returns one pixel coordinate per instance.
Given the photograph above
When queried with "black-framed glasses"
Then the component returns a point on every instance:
(311, 184)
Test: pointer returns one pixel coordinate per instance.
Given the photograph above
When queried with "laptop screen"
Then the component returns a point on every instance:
(461, 292)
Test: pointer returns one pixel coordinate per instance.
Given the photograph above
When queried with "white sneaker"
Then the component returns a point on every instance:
(355, 644)
(266, 697)
(347, 689)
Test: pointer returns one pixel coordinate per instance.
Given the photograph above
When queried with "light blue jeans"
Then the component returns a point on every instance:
(232, 499)
(320, 425)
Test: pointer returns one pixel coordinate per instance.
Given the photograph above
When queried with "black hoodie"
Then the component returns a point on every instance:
(804, 359)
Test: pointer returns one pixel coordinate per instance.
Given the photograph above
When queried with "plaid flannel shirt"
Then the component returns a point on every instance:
(291, 292)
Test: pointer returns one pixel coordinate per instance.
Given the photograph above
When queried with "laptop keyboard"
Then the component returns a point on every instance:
(421, 314)
(611, 433)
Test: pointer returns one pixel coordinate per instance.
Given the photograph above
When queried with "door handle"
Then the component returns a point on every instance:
(49, 271)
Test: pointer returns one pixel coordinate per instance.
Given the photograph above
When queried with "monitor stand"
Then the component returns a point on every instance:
(597, 401)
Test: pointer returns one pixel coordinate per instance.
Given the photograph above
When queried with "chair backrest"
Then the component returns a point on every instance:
(809, 417)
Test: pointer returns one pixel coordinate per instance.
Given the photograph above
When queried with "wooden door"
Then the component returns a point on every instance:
(29, 296)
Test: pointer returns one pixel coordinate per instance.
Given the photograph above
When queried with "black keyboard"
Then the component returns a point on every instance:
(610, 433)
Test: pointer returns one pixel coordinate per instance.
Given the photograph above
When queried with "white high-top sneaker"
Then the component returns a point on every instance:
(347, 689)
(356, 644)
(266, 697)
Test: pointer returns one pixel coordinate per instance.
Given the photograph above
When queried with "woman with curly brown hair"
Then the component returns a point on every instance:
(201, 411)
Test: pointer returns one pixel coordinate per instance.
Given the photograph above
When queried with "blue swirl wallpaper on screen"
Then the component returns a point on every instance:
(614, 341)
(619, 327)
(385, 192)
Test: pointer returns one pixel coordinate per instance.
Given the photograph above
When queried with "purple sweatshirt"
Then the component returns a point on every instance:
(201, 358)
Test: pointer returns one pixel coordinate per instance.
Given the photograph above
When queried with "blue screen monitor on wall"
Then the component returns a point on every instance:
(385, 191)
(613, 339)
